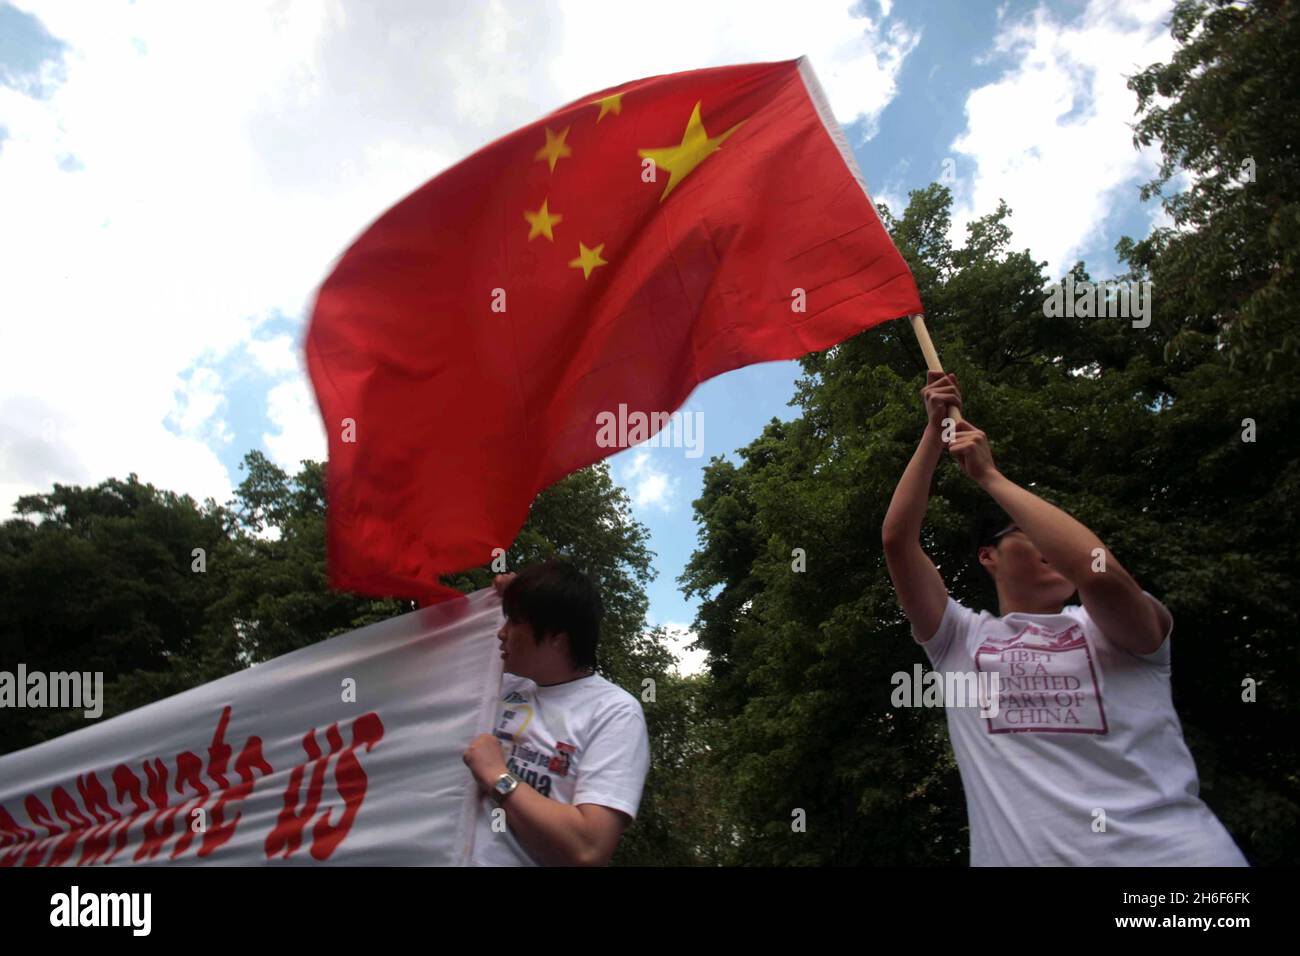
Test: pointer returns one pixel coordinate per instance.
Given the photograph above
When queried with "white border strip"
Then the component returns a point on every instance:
(823, 107)
(489, 694)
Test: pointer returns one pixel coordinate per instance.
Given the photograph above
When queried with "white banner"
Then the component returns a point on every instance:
(347, 752)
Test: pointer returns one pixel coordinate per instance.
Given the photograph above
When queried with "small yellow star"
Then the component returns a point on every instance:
(541, 222)
(609, 104)
(695, 147)
(554, 148)
(588, 259)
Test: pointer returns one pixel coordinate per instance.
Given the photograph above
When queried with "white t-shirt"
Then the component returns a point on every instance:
(1080, 760)
(583, 741)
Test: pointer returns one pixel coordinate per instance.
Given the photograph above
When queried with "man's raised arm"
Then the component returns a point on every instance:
(1126, 615)
(920, 589)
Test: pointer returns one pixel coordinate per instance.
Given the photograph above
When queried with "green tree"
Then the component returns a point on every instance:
(1226, 112)
(1087, 413)
(1173, 442)
(102, 579)
(105, 579)
(275, 594)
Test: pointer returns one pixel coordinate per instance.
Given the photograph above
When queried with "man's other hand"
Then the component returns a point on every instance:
(970, 447)
(485, 760)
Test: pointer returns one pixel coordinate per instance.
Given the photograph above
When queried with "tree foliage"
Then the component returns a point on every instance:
(1226, 112)
(110, 579)
(1174, 443)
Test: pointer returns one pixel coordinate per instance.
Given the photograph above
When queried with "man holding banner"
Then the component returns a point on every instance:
(577, 748)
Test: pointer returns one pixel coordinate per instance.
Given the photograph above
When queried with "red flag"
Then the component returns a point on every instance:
(621, 250)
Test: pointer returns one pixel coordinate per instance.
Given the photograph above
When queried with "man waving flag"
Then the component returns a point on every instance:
(617, 252)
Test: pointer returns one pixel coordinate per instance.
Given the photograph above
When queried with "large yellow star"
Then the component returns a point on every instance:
(609, 104)
(554, 147)
(695, 147)
(588, 259)
(540, 222)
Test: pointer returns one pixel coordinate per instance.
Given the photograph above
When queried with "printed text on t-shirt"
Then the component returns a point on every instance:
(1048, 682)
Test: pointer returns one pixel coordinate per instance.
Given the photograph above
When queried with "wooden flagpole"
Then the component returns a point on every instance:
(931, 356)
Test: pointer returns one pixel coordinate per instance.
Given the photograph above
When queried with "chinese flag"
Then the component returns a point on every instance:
(621, 250)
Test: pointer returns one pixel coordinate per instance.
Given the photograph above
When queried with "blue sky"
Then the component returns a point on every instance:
(173, 188)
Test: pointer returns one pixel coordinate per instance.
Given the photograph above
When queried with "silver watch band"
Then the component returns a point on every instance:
(499, 794)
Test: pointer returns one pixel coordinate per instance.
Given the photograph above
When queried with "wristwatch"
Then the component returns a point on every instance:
(504, 786)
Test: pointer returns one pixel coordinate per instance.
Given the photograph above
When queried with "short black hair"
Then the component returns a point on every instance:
(989, 522)
(556, 596)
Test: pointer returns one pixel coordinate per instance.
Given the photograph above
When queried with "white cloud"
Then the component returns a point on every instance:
(196, 413)
(222, 163)
(689, 660)
(187, 224)
(649, 485)
(299, 433)
(276, 356)
(856, 57)
(1052, 136)
(897, 204)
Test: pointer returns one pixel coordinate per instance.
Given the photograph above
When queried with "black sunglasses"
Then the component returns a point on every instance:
(1007, 530)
